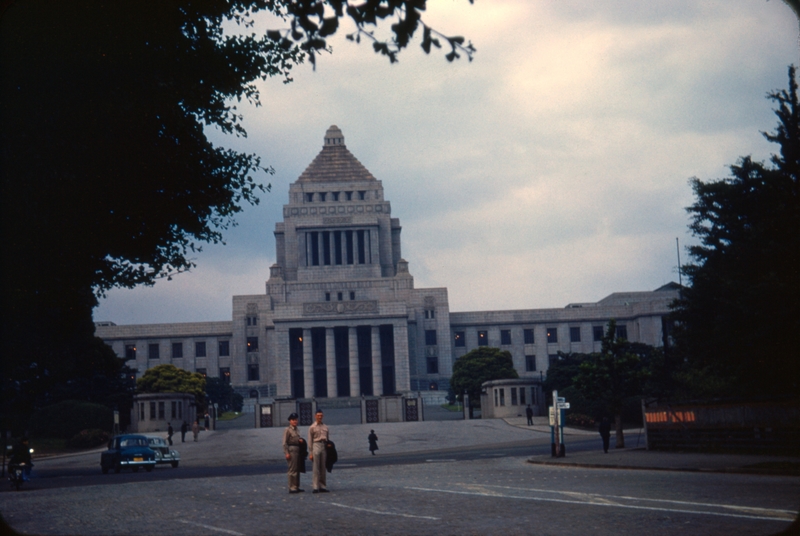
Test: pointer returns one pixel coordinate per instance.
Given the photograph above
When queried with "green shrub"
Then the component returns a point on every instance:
(66, 419)
(87, 439)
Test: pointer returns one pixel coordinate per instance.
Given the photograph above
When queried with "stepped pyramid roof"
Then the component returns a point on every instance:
(335, 162)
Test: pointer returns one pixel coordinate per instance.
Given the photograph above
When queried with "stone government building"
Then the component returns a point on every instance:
(340, 316)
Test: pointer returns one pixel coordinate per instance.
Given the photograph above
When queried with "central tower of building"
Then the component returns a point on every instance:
(342, 308)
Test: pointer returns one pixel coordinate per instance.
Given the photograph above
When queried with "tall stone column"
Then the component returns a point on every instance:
(377, 368)
(402, 373)
(308, 364)
(330, 362)
(352, 344)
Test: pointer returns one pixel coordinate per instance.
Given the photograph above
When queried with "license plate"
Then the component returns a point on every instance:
(138, 459)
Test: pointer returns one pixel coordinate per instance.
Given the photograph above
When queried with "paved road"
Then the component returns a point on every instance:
(496, 494)
(460, 477)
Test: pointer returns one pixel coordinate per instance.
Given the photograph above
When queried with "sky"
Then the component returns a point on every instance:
(551, 169)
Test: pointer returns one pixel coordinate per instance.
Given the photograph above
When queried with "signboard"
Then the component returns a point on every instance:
(552, 415)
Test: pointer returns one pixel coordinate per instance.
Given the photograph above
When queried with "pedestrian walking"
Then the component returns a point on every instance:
(292, 446)
(207, 422)
(184, 429)
(170, 431)
(529, 413)
(318, 436)
(196, 429)
(605, 433)
(373, 441)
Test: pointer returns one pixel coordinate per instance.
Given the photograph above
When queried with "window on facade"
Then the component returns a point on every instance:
(335, 196)
(530, 363)
(430, 313)
(252, 344)
(496, 400)
(433, 365)
(528, 334)
(352, 295)
(551, 359)
(180, 409)
(252, 320)
(522, 396)
(152, 351)
(513, 396)
(309, 197)
(460, 338)
(597, 333)
(362, 195)
(225, 374)
(322, 196)
(174, 410)
(430, 337)
(141, 411)
(575, 334)
(161, 415)
(201, 371)
(483, 338)
(340, 296)
(130, 351)
(622, 332)
(224, 348)
(348, 196)
(152, 411)
(502, 397)
(327, 296)
(177, 349)
(505, 337)
(200, 349)
(252, 373)
(552, 335)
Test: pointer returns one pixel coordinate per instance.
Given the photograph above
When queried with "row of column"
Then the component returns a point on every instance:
(330, 362)
(335, 243)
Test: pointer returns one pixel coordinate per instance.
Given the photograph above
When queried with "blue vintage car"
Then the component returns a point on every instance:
(131, 451)
(164, 454)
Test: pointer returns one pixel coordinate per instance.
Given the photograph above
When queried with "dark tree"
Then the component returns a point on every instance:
(108, 177)
(220, 392)
(171, 379)
(481, 365)
(739, 317)
(562, 371)
(611, 376)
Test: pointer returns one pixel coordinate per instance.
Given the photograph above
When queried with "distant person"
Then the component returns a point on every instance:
(196, 428)
(207, 422)
(605, 433)
(373, 442)
(170, 431)
(318, 436)
(184, 429)
(292, 446)
(529, 413)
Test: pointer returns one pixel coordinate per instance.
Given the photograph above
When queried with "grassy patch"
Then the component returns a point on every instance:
(452, 407)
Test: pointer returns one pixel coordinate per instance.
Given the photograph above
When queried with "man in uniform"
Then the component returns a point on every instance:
(318, 436)
(291, 450)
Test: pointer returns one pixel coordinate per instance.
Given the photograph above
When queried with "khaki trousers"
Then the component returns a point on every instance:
(294, 468)
(318, 464)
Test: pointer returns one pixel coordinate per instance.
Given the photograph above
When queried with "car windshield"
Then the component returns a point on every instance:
(156, 441)
(133, 442)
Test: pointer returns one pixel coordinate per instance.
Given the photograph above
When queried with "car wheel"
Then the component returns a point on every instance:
(174, 465)
(135, 469)
(117, 468)
(149, 468)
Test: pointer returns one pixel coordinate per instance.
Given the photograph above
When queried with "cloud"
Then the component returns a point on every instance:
(551, 169)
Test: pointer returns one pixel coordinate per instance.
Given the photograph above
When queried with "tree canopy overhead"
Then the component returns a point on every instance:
(739, 317)
(108, 177)
(171, 379)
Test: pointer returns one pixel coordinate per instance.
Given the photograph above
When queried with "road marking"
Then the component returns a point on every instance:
(346, 464)
(381, 512)
(209, 527)
(755, 509)
(781, 517)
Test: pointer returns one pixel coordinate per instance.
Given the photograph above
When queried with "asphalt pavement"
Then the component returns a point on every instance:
(243, 445)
